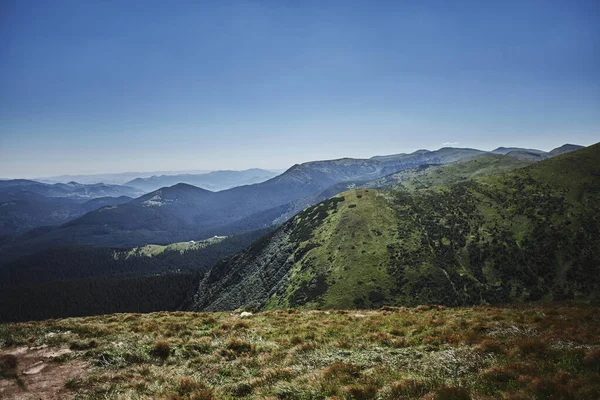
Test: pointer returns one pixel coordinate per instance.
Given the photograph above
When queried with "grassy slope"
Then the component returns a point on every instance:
(429, 175)
(534, 352)
(349, 254)
(354, 241)
(486, 165)
(151, 250)
(526, 235)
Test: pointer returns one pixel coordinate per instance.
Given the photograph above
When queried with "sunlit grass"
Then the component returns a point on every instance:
(393, 353)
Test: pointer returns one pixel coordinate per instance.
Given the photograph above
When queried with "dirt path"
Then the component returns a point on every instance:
(38, 375)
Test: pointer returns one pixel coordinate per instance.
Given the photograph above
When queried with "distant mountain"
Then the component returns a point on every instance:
(177, 211)
(533, 154)
(428, 175)
(21, 211)
(99, 202)
(565, 148)
(71, 189)
(524, 235)
(119, 178)
(183, 212)
(384, 158)
(506, 150)
(216, 180)
(26, 204)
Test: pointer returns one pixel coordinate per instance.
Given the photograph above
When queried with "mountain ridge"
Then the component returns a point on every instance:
(235, 210)
(472, 242)
(214, 181)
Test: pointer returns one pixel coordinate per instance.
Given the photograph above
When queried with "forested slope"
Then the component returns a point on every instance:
(526, 235)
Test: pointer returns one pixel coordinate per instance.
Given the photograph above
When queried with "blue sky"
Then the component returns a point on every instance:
(111, 86)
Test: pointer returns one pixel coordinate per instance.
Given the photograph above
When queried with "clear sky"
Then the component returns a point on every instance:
(108, 86)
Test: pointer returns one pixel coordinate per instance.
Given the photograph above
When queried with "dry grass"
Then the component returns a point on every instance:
(161, 349)
(429, 352)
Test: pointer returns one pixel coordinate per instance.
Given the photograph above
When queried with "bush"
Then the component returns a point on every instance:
(296, 340)
(240, 346)
(342, 372)
(188, 385)
(197, 346)
(161, 349)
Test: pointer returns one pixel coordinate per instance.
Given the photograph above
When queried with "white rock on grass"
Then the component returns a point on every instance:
(245, 314)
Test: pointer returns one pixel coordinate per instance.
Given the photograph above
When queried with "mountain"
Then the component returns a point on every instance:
(118, 178)
(528, 155)
(99, 202)
(525, 235)
(175, 213)
(423, 176)
(183, 212)
(27, 204)
(533, 154)
(21, 211)
(445, 155)
(565, 148)
(506, 150)
(383, 158)
(428, 175)
(214, 181)
(71, 189)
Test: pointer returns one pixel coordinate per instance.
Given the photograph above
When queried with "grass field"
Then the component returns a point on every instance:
(151, 250)
(427, 352)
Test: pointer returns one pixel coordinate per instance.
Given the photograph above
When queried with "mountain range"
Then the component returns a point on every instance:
(26, 204)
(119, 178)
(184, 212)
(535, 155)
(214, 181)
(452, 226)
(524, 235)
(12, 187)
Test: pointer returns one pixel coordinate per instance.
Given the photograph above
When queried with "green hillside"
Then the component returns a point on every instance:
(423, 176)
(151, 250)
(527, 235)
(485, 165)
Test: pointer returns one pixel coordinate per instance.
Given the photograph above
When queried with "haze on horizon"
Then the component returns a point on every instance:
(106, 87)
